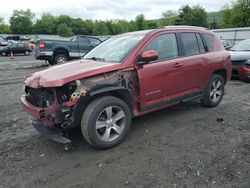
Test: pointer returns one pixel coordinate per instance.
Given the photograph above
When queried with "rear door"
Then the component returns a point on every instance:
(195, 60)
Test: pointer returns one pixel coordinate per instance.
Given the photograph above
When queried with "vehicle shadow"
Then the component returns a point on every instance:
(139, 124)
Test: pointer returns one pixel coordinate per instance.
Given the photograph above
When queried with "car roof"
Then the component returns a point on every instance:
(174, 27)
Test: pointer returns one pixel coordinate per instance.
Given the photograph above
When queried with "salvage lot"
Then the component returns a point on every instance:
(185, 146)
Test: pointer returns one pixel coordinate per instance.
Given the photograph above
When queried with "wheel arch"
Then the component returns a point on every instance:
(222, 73)
(61, 50)
(115, 91)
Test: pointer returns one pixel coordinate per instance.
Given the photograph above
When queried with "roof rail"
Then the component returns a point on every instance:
(182, 26)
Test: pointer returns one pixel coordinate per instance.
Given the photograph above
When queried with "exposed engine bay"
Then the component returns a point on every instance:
(62, 104)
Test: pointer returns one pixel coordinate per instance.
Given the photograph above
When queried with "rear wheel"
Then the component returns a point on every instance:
(106, 122)
(214, 91)
(60, 59)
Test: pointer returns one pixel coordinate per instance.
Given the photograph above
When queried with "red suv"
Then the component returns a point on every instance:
(128, 75)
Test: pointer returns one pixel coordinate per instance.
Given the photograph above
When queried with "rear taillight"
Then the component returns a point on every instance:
(41, 45)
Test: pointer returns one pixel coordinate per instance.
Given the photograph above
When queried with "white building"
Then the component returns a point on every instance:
(233, 34)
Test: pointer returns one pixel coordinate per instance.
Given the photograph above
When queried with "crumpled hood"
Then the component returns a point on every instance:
(239, 55)
(59, 75)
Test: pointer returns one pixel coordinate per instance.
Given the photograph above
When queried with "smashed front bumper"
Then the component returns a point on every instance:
(45, 126)
(53, 133)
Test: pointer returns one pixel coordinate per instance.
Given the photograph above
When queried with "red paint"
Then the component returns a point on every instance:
(151, 55)
(243, 72)
(59, 75)
(158, 82)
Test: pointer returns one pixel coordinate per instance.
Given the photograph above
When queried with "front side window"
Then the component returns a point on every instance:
(114, 49)
(165, 45)
(190, 44)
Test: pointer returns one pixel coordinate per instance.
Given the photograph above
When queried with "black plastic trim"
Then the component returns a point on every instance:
(184, 98)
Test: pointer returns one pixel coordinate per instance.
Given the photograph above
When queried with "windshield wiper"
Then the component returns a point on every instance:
(95, 58)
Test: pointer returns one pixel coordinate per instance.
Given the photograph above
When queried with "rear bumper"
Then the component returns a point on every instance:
(43, 55)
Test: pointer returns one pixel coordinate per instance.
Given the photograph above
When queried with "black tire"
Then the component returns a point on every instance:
(95, 111)
(3, 53)
(211, 96)
(60, 58)
(27, 53)
(247, 80)
(50, 62)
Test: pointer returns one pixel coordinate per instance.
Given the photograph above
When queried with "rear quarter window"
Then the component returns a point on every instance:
(209, 41)
(201, 44)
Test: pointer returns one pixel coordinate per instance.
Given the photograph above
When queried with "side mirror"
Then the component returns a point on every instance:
(148, 56)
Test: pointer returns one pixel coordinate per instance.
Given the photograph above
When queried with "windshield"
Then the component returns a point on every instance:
(242, 46)
(114, 49)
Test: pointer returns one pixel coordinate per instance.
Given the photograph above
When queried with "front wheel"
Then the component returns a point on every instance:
(106, 122)
(214, 91)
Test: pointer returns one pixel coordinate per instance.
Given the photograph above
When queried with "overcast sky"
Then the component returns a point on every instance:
(105, 9)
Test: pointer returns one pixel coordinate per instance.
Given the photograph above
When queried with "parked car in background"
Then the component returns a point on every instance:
(25, 37)
(128, 75)
(3, 42)
(13, 37)
(60, 51)
(10, 42)
(15, 48)
(227, 44)
(240, 55)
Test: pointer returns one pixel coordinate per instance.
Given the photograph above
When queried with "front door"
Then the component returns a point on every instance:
(161, 81)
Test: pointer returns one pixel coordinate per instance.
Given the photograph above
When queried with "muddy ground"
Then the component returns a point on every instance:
(187, 146)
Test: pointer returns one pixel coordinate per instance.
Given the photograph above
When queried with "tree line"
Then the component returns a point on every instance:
(23, 21)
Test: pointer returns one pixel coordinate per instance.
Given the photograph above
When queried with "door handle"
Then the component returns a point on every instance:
(177, 65)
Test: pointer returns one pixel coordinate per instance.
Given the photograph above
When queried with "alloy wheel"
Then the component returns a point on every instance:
(110, 123)
(216, 91)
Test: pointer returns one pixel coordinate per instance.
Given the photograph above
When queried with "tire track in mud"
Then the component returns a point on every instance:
(12, 81)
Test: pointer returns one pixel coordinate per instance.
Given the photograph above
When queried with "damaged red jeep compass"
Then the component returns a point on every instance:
(126, 76)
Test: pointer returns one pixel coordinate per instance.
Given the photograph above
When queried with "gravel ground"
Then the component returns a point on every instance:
(187, 146)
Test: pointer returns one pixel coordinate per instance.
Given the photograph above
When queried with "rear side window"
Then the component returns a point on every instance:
(190, 44)
(209, 40)
(165, 45)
